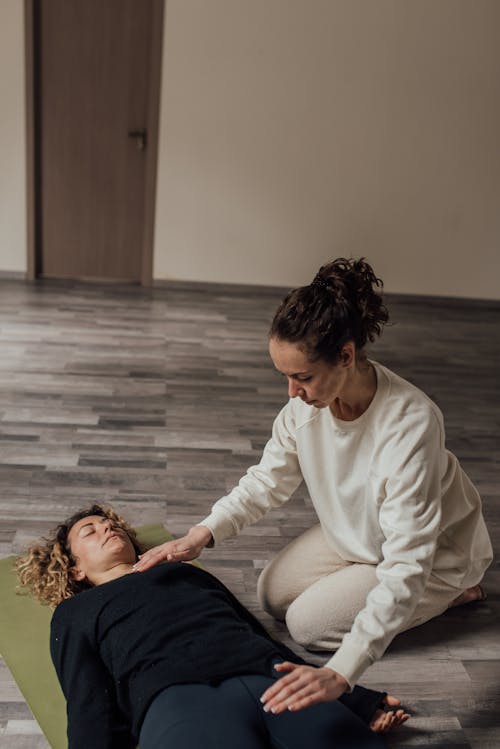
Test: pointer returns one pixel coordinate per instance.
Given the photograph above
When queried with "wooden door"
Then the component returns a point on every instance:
(96, 80)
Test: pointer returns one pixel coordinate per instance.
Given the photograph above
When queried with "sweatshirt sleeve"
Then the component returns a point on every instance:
(93, 717)
(264, 486)
(410, 517)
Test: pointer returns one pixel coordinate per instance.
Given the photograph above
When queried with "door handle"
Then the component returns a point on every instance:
(141, 138)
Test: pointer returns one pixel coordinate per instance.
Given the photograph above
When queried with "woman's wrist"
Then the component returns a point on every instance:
(341, 680)
(203, 535)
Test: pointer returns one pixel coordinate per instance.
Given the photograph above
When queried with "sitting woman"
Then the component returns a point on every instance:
(170, 657)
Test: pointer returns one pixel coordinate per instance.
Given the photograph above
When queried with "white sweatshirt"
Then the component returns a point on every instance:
(386, 492)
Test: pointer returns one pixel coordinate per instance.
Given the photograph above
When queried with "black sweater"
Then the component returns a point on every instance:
(119, 644)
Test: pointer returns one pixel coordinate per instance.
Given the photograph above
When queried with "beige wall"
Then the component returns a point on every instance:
(296, 130)
(12, 138)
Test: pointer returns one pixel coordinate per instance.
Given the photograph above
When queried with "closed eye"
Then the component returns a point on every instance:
(298, 378)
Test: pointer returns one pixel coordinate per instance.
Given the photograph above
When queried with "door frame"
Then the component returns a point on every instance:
(33, 216)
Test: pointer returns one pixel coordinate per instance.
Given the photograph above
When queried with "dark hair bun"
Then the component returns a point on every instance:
(341, 304)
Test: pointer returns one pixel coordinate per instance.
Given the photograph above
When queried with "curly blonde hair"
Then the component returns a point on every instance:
(44, 569)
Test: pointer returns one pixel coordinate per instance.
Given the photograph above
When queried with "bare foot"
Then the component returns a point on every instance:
(471, 594)
(383, 722)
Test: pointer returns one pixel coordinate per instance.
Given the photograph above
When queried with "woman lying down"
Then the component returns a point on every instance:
(169, 657)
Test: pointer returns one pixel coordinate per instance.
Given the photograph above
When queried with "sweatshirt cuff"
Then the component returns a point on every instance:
(220, 526)
(350, 661)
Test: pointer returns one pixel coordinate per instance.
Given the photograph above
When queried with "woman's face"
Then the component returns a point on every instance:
(316, 383)
(98, 545)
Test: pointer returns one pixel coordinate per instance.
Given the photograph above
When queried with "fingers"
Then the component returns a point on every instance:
(295, 696)
(400, 717)
(310, 695)
(270, 693)
(182, 549)
(391, 700)
(150, 558)
(285, 666)
(301, 687)
(384, 722)
(172, 551)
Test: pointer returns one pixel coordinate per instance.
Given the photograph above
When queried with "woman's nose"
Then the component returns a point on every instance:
(293, 389)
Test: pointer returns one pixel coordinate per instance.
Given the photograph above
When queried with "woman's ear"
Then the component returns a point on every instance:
(77, 573)
(348, 354)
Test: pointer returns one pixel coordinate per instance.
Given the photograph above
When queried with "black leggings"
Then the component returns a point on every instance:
(231, 715)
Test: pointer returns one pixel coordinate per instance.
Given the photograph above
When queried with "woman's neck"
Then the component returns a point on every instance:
(358, 393)
(113, 573)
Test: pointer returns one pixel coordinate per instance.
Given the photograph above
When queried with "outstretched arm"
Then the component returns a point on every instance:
(93, 716)
(266, 485)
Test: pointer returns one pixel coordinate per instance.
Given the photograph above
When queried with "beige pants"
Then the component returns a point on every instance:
(319, 594)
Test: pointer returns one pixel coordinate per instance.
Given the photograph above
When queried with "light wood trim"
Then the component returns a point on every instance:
(29, 55)
(152, 147)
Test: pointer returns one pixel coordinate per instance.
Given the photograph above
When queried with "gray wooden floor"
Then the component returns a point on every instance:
(158, 400)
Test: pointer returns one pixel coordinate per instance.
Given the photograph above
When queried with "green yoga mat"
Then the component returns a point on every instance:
(24, 645)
